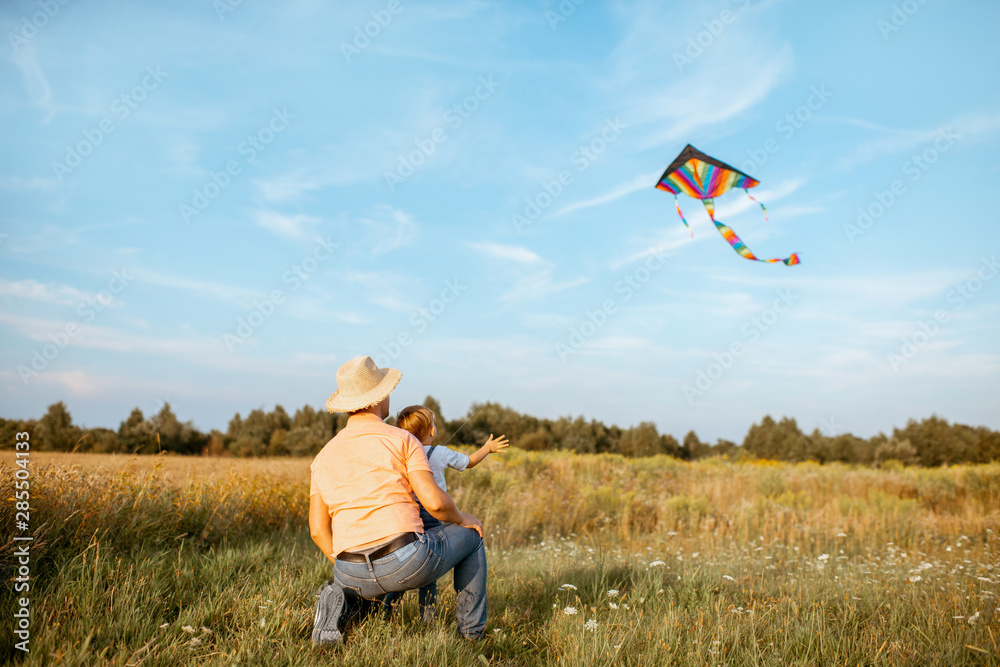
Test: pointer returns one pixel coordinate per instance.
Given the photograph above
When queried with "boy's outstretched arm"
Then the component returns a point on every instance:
(498, 445)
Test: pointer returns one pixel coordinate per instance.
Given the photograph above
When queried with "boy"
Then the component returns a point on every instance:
(419, 421)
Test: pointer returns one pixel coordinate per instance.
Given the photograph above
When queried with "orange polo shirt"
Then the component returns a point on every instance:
(362, 476)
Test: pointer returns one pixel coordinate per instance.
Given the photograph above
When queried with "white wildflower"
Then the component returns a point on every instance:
(915, 578)
(568, 587)
(726, 576)
(841, 534)
(590, 625)
(569, 611)
(613, 593)
(206, 630)
(188, 628)
(613, 605)
(657, 563)
(263, 622)
(823, 557)
(972, 619)
(195, 641)
(165, 625)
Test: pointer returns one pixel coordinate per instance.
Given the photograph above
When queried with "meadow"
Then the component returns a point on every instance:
(594, 560)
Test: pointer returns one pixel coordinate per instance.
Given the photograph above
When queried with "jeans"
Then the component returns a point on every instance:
(427, 593)
(448, 546)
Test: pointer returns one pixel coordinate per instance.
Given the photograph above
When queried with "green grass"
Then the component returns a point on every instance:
(819, 584)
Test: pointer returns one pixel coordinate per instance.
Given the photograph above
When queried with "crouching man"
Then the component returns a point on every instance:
(363, 516)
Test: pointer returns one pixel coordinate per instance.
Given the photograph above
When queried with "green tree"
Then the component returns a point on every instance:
(896, 450)
(136, 434)
(56, 431)
(777, 441)
(641, 440)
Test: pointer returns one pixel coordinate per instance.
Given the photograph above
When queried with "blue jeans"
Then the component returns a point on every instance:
(419, 563)
(428, 593)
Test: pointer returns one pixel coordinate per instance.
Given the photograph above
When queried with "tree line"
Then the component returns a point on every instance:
(929, 442)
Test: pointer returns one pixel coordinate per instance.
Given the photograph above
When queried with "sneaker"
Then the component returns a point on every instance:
(329, 607)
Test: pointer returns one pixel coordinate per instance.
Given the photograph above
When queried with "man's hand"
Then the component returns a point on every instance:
(469, 521)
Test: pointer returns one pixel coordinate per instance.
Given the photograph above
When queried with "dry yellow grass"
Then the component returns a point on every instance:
(171, 469)
(667, 562)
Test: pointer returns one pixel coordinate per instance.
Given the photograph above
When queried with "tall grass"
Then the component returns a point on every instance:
(713, 562)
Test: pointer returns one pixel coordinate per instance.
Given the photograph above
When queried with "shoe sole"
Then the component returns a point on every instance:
(329, 607)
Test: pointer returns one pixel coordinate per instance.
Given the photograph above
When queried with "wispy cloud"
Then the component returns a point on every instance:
(893, 141)
(384, 288)
(638, 183)
(35, 84)
(32, 290)
(513, 253)
(389, 228)
(237, 295)
(292, 226)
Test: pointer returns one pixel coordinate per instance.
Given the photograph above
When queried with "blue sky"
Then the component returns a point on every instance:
(216, 205)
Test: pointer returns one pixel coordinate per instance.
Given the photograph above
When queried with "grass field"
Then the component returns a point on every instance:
(594, 560)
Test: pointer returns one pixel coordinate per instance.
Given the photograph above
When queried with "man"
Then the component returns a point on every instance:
(363, 517)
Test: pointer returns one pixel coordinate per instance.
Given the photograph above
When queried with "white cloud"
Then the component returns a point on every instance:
(513, 253)
(35, 83)
(229, 293)
(293, 226)
(32, 290)
(389, 228)
(638, 183)
(893, 141)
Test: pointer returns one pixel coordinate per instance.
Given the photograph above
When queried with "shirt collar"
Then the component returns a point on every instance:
(364, 417)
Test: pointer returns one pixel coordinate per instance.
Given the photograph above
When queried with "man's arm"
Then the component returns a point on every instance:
(320, 528)
(439, 503)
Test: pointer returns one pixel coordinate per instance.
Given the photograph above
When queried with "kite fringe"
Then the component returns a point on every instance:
(678, 205)
(760, 203)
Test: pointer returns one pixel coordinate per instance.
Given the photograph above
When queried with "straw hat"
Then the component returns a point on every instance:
(361, 384)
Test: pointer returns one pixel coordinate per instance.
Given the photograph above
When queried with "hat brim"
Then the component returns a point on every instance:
(338, 403)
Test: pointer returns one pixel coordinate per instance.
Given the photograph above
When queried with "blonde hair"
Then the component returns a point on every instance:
(416, 419)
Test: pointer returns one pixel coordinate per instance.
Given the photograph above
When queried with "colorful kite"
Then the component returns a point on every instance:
(702, 177)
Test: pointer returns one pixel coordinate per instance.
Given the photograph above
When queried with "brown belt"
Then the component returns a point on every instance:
(381, 552)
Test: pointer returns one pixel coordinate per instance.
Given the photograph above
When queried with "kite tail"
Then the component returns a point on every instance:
(678, 205)
(737, 243)
(754, 200)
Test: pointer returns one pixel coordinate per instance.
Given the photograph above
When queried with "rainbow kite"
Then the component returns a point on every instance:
(702, 177)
